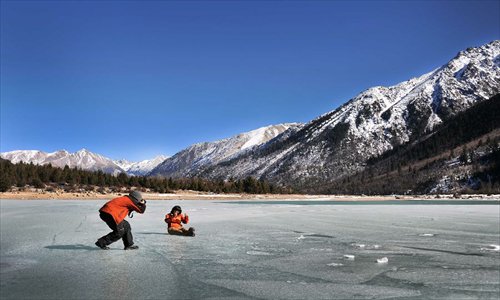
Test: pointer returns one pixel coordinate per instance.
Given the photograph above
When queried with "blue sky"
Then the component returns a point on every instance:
(134, 79)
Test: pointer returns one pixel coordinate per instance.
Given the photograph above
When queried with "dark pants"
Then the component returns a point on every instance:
(181, 231)
(120, 231)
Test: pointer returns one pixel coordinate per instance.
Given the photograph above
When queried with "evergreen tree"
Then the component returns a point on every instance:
(464, 157)
(5, 182)
(37, 183)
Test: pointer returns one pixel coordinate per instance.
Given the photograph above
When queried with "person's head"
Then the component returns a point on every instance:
(176, 209)
(136, 197)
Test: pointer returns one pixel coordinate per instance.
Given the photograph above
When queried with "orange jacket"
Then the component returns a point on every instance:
(175, 222)
(120, 207)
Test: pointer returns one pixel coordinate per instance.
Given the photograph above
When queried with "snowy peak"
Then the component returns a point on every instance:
(123, 163)
(263, 134)
(141, 168)
(191, 159)
(256, 137)
(88, 160)
(397, 113)
(472, 76)
(483, 55)
(27, 156)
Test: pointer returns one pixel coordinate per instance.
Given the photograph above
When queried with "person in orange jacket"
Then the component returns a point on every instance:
(174, 220)
(113, 213)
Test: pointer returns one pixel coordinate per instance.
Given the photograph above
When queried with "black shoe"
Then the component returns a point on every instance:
(101, 246)
(190, 231)
(133, 247)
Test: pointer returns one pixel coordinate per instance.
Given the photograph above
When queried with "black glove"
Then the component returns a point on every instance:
(142, 206)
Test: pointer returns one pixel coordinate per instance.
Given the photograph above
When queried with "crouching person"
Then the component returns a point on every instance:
(174, 220)
(114, 213)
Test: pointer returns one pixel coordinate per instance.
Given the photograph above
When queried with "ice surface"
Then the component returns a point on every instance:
(265, 251)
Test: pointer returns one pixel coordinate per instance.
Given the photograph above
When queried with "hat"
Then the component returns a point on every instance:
(135, 196)
(176, 208)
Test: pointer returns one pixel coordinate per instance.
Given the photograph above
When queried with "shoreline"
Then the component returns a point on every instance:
(192, 195)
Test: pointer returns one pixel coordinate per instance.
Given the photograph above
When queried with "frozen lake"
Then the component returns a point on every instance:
(253, 251)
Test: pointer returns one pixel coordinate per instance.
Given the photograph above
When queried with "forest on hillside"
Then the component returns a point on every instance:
(49, 178)
(462, 155)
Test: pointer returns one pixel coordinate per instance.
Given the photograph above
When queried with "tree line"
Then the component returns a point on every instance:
(70, 179)
(465, 148)
(482, 176)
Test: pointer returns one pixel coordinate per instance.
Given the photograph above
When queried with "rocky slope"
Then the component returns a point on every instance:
(190, 160)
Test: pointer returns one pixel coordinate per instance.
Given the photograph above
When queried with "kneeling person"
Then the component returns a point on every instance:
(174, 220)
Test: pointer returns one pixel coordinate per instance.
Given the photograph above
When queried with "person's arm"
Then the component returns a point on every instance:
(167, 218)
(185, 219)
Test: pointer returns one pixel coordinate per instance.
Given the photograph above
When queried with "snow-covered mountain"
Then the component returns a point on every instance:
(191, 159)
(378, 119)
(124, 164)
(83, 159)
(142, 167)
(35, 156)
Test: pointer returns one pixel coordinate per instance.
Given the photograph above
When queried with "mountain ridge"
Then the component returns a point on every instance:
(187, 161)
(339, 142)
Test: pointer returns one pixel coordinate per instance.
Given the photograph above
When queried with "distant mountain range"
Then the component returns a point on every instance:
(182, 164)
(142, 167)
(83, 159)
(336, 144)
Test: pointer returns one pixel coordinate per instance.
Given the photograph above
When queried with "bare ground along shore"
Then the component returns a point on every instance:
(193, 195)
